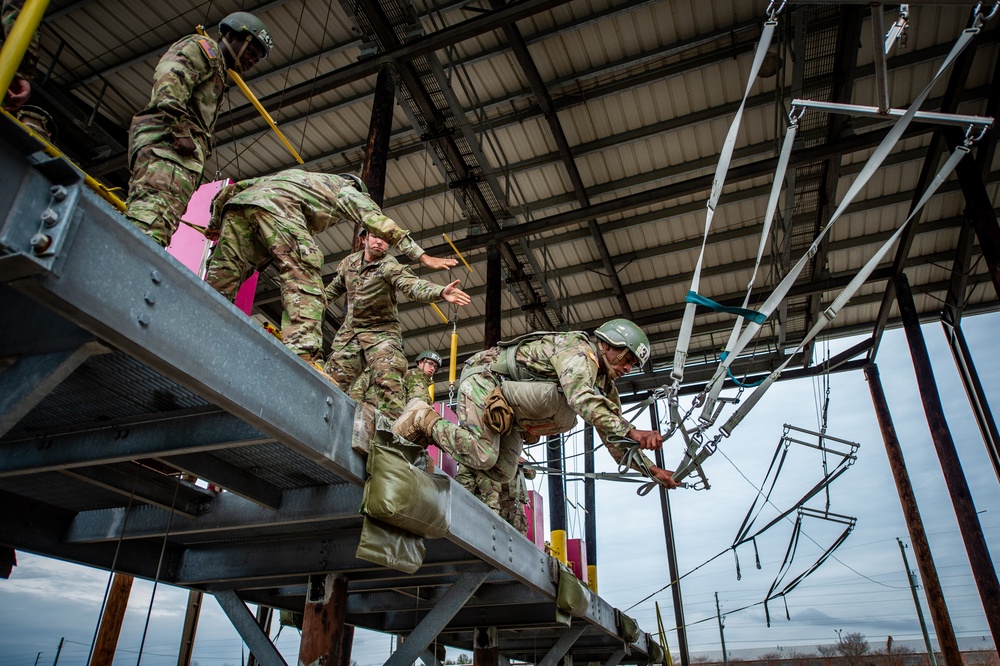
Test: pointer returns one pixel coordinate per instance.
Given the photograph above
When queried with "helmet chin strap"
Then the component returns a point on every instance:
(608, 363)
(237, 57)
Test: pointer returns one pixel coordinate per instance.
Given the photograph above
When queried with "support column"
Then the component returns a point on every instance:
(668, 535)
(590, 506)
(111, 620)
(494, 290)
(914, 523)
(323, 621)
(377, 146)
(264, 615)
(557, 494)
(958, 488)
(195, 599)
(979, 212)
(485, 647)
(974, 390)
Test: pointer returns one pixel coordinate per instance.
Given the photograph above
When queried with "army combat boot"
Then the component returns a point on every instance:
(416, 421)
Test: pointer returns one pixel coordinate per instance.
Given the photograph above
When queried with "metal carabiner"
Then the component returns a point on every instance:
(969, 139)
(795, 115)
(772, 12)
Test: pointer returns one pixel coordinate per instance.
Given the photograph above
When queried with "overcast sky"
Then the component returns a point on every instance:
(862, 588)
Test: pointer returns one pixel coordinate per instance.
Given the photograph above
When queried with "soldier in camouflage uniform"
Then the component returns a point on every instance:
(20, 86)
(170, 140)
(417, 381)
(275, 218)
(370, 337)
(547, 380)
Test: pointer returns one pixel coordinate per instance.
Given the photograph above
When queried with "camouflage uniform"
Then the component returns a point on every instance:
(416, 384)
(275, 217)
(481, 486)
(568, 360)
(9, 10)
(513, 499)
(371, 336)
(187, 94)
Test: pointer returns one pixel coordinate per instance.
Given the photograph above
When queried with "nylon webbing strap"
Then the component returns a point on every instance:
(725, 157)
(784, 156)
(746, 313)
(859, 279)
(874, 162)
(634, 458)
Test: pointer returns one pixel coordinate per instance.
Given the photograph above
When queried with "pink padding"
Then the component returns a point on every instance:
(533, 511)
(576, 554)
(191, 248)
(187, 245)
(244, 297)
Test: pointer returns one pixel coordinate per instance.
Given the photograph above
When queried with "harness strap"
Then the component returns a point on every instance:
(721, 169)
(712, 390)
(874, 162)
(831, 312)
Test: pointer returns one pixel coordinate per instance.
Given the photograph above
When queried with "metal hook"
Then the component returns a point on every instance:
(772, 12)
(970, 139)
(795, 114)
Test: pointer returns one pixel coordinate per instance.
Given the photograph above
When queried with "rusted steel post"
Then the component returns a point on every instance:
(379, 132)
(494, 290)
(914, 524)
(323, 622)
(954, 477)
(111, 620)
(190, 627)
(485, 648)
(979, 213)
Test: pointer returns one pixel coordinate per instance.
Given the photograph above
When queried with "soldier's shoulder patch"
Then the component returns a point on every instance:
(209, 48)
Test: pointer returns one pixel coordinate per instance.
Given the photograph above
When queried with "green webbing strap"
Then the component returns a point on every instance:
(633, 457)
(752, 315)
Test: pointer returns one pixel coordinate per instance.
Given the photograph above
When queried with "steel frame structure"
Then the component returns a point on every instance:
(123, 369)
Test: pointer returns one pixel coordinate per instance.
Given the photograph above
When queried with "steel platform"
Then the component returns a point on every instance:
(119, 367)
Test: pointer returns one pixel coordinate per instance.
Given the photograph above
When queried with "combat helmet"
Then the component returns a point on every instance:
(623, 333)
(247, 24)
(431, 355)
(356, 182)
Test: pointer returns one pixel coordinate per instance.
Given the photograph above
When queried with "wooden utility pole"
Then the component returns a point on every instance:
(914, 523)
(954, 476)
(111, 620)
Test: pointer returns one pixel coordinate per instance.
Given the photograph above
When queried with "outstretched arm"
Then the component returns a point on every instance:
(454, 295)
(437, 263)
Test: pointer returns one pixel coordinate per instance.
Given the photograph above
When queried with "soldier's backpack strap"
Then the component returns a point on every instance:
(507, 366)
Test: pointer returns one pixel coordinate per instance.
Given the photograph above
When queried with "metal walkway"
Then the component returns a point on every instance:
(119, 367)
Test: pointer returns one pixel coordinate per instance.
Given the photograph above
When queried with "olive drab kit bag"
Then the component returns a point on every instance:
(404, 501)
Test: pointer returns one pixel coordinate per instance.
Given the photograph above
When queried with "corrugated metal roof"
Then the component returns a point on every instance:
(644, 93)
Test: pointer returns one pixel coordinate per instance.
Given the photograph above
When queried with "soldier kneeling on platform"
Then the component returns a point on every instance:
(538, 384)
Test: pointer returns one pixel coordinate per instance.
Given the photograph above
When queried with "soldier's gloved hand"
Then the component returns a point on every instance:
(184, 145)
